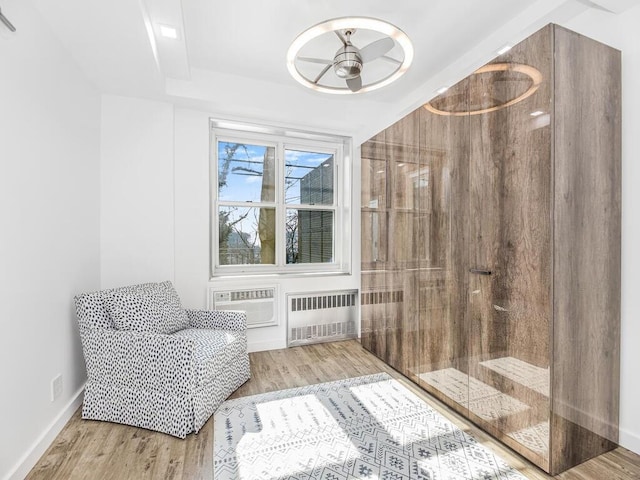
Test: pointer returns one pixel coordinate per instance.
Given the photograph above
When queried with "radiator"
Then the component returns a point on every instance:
(258, 303)
(321, 317)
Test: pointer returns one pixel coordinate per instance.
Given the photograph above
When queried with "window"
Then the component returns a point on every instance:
(277, 202)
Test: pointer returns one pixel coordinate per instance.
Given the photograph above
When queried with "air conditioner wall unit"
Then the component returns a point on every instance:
(260, 304)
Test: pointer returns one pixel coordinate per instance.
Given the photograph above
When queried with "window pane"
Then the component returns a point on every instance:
(308, 178)
(246, 173)
(246, 235)
(309, 236)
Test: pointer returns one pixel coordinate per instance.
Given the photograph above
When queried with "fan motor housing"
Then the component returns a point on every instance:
(347, 63)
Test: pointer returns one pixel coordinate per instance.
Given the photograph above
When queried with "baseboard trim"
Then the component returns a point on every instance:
(266, 345)
(31, 457)
(630, 441)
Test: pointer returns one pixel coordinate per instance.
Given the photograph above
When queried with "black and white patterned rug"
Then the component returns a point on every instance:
(368, 427)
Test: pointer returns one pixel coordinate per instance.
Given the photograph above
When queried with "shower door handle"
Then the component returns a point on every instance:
(480, 271)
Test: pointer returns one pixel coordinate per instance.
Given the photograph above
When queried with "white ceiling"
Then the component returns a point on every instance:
(229, 58)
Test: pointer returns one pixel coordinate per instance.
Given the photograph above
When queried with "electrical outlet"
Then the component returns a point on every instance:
(56, 387)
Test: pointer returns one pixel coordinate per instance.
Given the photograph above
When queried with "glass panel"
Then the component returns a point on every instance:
(510, 308)
(246, 173)
(374, 247)
(442, 363)
(246, 235)
(308, 178)
(309, 236)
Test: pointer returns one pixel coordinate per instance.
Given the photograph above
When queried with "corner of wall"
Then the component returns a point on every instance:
(24, 465)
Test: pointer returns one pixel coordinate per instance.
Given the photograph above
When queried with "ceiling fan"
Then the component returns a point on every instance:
(349, 60)
(383, 41)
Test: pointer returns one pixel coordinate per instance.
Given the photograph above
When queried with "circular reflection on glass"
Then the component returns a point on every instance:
(490, 88)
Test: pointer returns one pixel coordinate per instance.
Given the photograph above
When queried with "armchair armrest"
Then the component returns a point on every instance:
(148, 361)
(218, 319)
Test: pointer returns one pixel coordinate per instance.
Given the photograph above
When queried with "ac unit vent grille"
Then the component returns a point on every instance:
(240, 295)
(315, 318)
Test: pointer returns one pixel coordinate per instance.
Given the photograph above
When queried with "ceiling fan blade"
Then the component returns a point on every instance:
(355, 84)
(376, 49)
(315, 60)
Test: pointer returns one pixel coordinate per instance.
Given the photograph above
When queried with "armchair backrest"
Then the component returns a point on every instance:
(146, 307)
(91, 310)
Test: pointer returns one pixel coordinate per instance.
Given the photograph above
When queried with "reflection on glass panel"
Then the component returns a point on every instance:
(374, 186)
(309, 236)
(501, 85)
(246, 173)
(308, 178)
(246, 235)
(410, 185)
(374, 219)
(374, 239)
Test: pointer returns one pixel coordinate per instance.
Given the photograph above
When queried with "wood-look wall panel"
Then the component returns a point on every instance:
(531, 192)
(401, 141)
(587, 230)
(390, 218)
(405, 132)
(374, 221)
(443, 331)
(373, 312)
(510, 180)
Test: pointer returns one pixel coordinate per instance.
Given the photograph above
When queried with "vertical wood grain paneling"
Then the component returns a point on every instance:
(374, 240)
(443, 330)
(402, 142)
(510, 184)
(587, 248)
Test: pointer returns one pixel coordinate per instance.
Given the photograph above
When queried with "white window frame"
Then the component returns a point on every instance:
(285, 139)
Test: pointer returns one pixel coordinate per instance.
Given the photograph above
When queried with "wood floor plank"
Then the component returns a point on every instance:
(91, 450)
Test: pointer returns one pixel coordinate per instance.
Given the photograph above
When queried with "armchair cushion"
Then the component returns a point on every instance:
(213, 351)
(147, 308)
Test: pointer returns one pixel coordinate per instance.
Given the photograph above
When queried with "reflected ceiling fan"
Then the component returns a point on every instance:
(349, 60)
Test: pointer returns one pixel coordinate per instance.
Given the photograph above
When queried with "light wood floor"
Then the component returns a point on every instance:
(99, 450)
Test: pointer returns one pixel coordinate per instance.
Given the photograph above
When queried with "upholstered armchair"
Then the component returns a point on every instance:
(152, 364)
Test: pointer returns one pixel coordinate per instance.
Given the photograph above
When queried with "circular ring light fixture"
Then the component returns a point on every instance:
(350, 60)
(535, 80)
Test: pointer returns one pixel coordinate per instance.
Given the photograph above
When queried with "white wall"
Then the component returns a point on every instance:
(155, 201)
(49, 239)
(136, 194)
(623, 32)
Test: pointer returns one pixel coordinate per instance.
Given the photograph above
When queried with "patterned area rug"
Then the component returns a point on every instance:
(362, 428)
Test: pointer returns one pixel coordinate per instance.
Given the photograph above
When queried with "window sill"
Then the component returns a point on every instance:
(255, 275)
